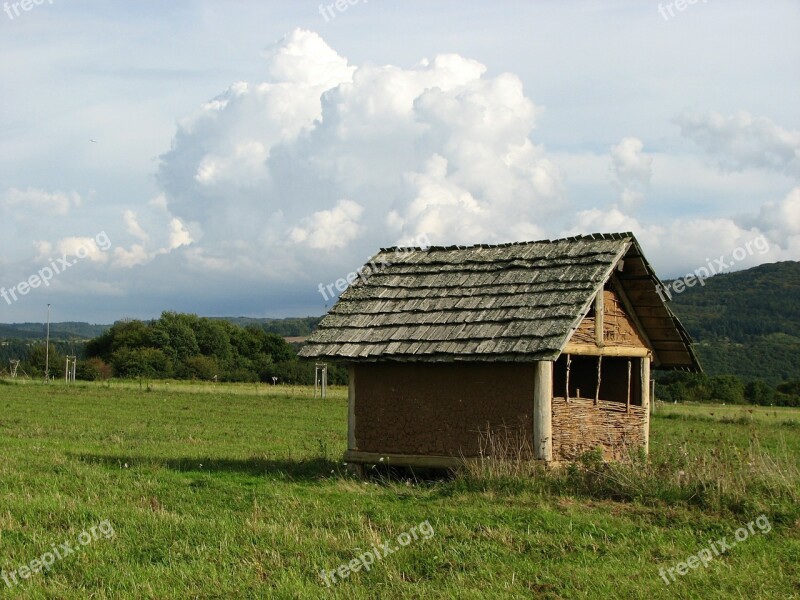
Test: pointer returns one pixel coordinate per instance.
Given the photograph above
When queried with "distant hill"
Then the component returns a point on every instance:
(746, 323)
(293, 327)
(66, 331)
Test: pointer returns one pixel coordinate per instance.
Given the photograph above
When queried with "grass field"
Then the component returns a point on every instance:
(239, 492)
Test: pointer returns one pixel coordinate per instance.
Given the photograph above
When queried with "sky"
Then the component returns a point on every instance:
(238, 158)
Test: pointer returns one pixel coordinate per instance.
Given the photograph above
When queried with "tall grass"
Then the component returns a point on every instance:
(725, 479)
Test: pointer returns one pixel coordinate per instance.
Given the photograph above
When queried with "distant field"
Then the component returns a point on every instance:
(238, 491)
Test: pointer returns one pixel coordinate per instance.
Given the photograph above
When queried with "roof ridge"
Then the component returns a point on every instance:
(611, 236)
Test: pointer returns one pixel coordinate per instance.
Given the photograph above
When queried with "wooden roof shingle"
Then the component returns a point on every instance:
(504, 302)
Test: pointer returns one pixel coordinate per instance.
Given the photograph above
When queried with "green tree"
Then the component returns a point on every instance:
(759, 392)
(173, 333)
(277, 347)
(214, 339)
(129, 334)
(200, 367)
(93, 369)
(37, 360)
(142, 362)
(727, 388)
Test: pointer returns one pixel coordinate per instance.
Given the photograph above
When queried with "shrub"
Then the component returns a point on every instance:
(93, 369)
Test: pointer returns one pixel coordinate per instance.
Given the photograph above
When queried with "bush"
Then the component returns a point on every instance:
(782, 399)
(759, 392)
(199, 367)
(240, 375)
(93, 369)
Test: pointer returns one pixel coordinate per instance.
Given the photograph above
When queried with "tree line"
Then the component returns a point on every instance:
(184, 346)
(679, 386)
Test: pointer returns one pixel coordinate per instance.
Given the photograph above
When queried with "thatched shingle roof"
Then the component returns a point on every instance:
(507, 302)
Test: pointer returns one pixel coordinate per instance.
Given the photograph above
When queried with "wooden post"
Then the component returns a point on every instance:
(652, 396)
(566, 392)
(646, 401)
(628, 401)
(599, 379)
(598, 318)
(543, 411)
(351, 408)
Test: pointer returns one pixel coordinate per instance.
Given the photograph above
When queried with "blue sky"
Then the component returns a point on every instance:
(236, 155)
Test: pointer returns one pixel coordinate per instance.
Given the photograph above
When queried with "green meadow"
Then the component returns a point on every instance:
(239, 491)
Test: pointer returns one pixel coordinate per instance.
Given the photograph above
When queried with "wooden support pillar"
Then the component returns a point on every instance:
(543, 411)
(351, 408)
(599, 379)
(645, 381)
(628, 401)
(599, 313)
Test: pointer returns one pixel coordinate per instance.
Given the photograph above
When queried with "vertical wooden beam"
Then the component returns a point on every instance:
(566, 392)
(628, 401)
(543, 411)
(351, 407)
(599, 310)
(646, 401)
(599, 379)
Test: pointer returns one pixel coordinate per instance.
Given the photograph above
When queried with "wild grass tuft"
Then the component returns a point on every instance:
(725, 479)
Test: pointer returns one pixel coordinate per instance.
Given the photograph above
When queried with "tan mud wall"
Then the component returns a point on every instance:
(432, 409)
(580, 426)
(618, 328)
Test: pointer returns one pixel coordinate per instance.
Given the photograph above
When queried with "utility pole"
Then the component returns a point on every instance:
(47, 349)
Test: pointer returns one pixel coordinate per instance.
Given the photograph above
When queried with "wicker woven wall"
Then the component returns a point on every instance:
(580, 425)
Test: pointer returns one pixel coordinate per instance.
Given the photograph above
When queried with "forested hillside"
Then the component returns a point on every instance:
(746, 323)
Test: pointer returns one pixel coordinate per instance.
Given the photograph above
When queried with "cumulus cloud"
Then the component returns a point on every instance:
(170, 236)
(632, 170)
(681, 245)
(328, 229)
(39, 203)
(178, 235)
(132, 226)
(781, 220)
(82, 247)
(325, 154)
(136, 255)
(743, 141)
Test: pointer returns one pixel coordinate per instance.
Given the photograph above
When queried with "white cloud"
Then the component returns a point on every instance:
(329, 229)
(632, 170)
(137, 255)
(743, 141)
(44, 250)
(82, 247)
(174, 235)
(439, 148)
(178, 235)
(781, 220)
(39, 203)
(132, 226)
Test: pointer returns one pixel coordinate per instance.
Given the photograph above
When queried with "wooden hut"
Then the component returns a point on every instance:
(552, 341)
